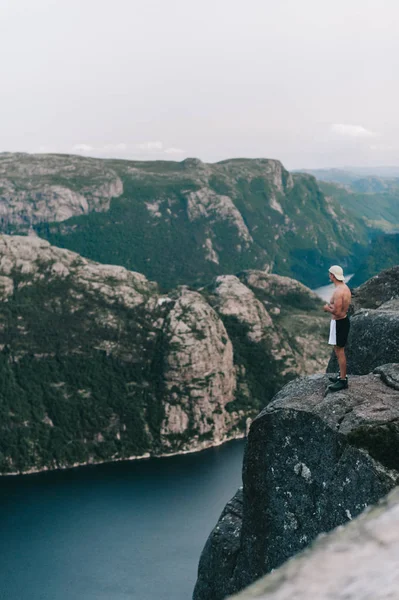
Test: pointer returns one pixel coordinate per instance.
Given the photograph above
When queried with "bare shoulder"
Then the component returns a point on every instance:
(342, 291)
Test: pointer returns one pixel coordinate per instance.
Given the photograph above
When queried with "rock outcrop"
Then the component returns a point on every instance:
(198, 371)
(44, 188)
(354, 562)
(97, 364)
(313, 461)
(378, 290)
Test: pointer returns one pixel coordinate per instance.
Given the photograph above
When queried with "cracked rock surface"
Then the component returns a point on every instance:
(313, 461)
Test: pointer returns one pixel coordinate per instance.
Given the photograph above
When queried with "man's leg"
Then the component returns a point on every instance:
(340, 353)
(342, 382)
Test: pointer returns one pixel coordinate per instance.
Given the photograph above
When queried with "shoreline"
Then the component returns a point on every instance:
(145, 456)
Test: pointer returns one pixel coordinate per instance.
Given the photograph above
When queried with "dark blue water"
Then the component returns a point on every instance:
(120, 531)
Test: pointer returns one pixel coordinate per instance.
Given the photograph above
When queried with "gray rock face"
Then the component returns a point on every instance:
(199, 373)
(378, 290)
(373, 340)
(222, 548)
(42, 188)
(205, 204)
(356, 562)
(389, 375)
(313, 461)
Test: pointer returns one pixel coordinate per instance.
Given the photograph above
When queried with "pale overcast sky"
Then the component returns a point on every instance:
(314, 83)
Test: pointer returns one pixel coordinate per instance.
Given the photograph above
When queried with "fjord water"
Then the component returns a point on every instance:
(121, 531)
(325, 291)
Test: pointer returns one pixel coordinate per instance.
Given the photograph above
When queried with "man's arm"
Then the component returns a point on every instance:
(336, 308)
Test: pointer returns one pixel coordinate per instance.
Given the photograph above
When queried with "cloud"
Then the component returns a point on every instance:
(156, 148)
(144, 149)
(45, 150)
(106, 148)
(382, 147)
(114, 147)
(352, 131)
(83, 148)
(173, 151)
(150, 146)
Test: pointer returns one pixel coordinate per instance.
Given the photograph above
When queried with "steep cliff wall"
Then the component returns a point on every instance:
(45, 188)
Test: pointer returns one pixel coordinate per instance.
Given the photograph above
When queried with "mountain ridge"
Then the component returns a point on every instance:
(180, 222)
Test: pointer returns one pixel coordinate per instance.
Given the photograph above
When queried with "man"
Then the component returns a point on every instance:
(339, 326)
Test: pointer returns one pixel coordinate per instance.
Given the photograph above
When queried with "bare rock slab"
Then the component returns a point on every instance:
(357, 562)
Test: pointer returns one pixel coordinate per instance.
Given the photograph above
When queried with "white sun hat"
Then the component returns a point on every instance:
(338, 272)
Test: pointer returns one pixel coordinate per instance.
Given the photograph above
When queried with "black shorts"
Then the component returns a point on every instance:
(339, 331)
(342, 327)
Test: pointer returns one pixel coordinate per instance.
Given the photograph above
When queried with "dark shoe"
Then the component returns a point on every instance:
(341, 384)
(335, 378)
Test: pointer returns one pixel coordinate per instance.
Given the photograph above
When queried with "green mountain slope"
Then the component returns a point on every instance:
(181, 222)
(96, 364)
(373, 196)
(378, 209)
(383, 254)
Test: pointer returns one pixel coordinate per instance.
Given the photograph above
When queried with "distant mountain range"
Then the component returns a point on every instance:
(373, 195)
(348, 174)
(181, 223)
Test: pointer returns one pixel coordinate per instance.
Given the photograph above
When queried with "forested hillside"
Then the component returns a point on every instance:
(96, 364)
(181, 222)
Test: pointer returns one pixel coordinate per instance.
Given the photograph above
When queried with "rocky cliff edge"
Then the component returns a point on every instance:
(313, 461)
(356, 562)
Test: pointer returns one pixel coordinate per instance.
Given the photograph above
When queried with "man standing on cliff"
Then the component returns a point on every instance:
(339, 326)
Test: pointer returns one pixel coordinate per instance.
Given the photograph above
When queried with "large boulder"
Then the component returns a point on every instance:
(379, 289)
(313, 461)
(355, 562)
(373, 339)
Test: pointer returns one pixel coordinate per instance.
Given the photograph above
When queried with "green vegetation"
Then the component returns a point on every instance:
(261, 377)
(383, 253)
(60, 410)
(150, 228)
(380, 210)
(370, 196)
(82, 374)
(63, 399)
